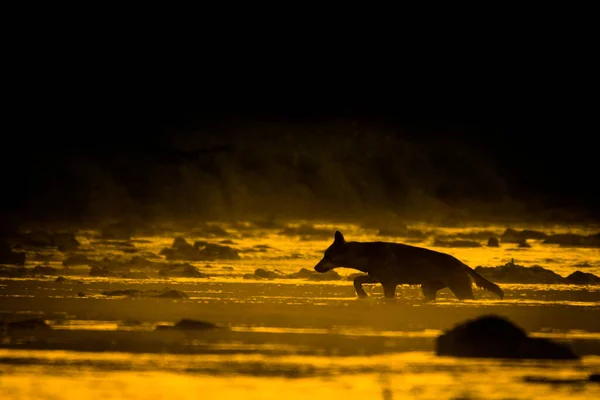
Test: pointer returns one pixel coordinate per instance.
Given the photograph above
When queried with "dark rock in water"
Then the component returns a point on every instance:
(583, 278)
(513, 273)
(574, 240)
(492, 336)
(266, 274)
(304, 273)
(227, 268)
(330, 275)
(523, 243)
(121, 292)
(43, 270)
(165, 294)
(120, 244)
(28, 324)
(189, 324)
(134, 275)
(102, 272)
(513, 236)
(172, 294)
(182, 271)
(80, 294)
(211, 251)
(62, 279)
(493, 242)
(456, 243)
(9, 257)
(554, 381)
(200, 251)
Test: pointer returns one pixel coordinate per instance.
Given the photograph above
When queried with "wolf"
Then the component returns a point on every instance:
(393, 264)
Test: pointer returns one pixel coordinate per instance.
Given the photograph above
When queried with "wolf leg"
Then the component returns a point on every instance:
(389, 290)
(460, 284)
(430, 289)
(358, 282)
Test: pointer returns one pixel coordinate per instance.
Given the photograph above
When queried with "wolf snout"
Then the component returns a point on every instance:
(320, 267)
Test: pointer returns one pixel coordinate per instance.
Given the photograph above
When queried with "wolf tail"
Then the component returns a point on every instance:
(484, 283)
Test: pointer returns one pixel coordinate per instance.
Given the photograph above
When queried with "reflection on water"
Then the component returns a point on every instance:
(44, 375)
(288, 338)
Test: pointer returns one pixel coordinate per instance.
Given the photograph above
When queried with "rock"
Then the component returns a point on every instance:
(554, 381)
(62, 279)
(28, 324)
(165, 294)
(182, 271)
(330, 275)
(492, 336)
(493, 242)
(594, 378)
(513, 273)
(266, 274)
(304, 273)
(102, 272)
(513, 236)
(172, 294)
(200, 251)
(189, 324)
(574, 240)
(134, 275)
(124, 292)
(455, 243)
(80, 294)
(211, 251)
(583, 278)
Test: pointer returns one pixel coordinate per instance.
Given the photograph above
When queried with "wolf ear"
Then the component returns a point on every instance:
(339, 238)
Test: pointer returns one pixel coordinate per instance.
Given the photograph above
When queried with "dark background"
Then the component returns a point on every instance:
(502, 145)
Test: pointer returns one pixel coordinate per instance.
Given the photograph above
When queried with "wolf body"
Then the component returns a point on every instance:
(393, 264)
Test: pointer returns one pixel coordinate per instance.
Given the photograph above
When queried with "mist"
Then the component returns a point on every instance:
(338, 170)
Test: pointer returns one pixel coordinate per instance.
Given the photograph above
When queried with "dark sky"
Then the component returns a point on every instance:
(536, 135)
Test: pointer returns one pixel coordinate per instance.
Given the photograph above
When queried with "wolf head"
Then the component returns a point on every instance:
(335, 256)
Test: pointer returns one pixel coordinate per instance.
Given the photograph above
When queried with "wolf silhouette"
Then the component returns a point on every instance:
(393, 264)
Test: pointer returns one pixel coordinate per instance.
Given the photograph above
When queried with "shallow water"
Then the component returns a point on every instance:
(288, 338)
